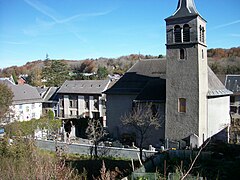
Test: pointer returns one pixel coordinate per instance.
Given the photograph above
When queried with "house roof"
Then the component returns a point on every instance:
(232, 83)
(84, 87)
(51, 95)
(136, 78)
(23, 94)
(215, 86)
(42, 90)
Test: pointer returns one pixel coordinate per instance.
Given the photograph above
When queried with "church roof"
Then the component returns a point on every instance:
(137, 77)
(147, 75)
(156, 95)
(185, 8)
(215, 86)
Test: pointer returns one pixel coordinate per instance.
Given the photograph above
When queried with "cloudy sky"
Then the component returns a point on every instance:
(79, 29)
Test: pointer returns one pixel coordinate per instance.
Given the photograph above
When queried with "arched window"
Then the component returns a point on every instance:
(186, 33)
(202, 54)
(200, 33)
(177, 33)
(182, 54)
(203, 32)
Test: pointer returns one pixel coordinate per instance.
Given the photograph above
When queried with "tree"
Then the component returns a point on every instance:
(102, 72)
(35, 76)
(141, 119)
(95, 132)
(55, 72)
(6, 96)
(87, 66)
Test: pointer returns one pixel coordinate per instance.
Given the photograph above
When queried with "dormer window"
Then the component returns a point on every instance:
(186, 33)
(177, 33)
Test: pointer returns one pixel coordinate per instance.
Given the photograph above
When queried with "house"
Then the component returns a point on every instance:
(80, 100)
(21, 80)
(187, 91)
(27, 103)
(50, 99)
(232, 83)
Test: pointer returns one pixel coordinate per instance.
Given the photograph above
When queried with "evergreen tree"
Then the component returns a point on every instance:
(55, 73)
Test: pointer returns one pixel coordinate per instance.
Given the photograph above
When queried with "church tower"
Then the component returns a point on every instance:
(187, 75)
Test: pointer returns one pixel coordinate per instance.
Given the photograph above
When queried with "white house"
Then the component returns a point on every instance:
(27, 103)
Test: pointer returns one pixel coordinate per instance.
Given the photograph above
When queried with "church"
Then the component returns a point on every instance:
(193, 102)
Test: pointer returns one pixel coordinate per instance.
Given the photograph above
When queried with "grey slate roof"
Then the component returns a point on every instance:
(185, 8)
(137, 77)
(51, 95)
(23, 94)
(42, 91)
(215, 86)
(154, 91)
(83, 87)
(138, 80)
(232, 83)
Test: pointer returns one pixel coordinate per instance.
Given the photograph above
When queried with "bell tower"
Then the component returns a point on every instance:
(187, 74)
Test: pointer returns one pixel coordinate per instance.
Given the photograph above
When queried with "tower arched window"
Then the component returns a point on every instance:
(177, 33)
(186, 33)
(200, 33)
(203, 32)
(182, 54)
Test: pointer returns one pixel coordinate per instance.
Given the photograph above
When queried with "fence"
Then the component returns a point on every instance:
(84, 149)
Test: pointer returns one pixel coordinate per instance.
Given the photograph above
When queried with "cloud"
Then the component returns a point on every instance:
(227, 24)
(52, 14)
(235, 35)
(14, 42)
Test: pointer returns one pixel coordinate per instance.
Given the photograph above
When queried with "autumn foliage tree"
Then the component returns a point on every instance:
(6, 96)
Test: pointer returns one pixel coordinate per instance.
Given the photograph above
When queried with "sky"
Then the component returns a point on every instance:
(80, 29)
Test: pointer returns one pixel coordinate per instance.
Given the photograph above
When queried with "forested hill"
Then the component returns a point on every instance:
(222, 61)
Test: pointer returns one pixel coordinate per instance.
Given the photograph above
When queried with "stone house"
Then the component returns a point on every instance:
(232, 83)
(80, 100)
(187, 90)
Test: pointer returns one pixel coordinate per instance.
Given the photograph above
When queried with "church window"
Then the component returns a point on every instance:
(182, 103)
(182, 54)
(177, 33)
(186, 33)
(203, 32)
(200, 33)
(202, 54)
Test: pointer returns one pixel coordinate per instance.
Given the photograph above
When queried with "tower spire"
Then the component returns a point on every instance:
(185, 8)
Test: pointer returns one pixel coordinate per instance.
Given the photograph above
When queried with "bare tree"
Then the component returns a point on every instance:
(95, 132)
(141, 119)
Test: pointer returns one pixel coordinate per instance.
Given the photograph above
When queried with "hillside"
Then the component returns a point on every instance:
(222, 61)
